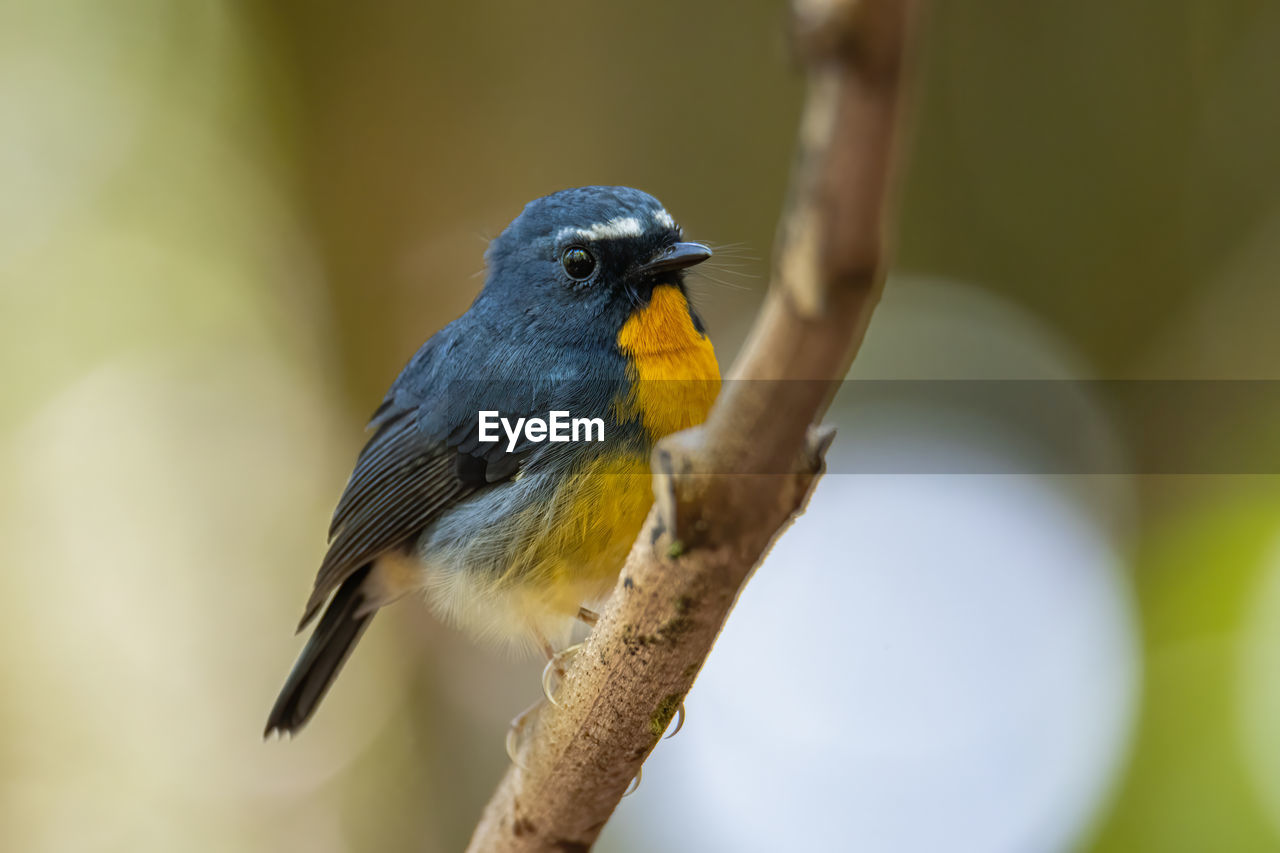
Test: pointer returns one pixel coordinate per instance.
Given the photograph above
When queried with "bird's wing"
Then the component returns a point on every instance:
(424, 457)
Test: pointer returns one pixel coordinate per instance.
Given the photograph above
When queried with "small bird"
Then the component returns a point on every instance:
(584, 312)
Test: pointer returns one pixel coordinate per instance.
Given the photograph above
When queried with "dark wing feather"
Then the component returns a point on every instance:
(401, 482)
(426, 454)
(423, 458)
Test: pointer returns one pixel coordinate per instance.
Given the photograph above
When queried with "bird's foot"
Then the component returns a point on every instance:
(635, 783)
(555, 669)
(516, 732)
(679, 723)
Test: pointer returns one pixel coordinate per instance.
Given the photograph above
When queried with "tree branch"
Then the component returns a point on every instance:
(720, 503)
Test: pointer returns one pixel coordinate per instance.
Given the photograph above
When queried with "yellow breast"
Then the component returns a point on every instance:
(579, 540)
(598, 511)
(674, 380)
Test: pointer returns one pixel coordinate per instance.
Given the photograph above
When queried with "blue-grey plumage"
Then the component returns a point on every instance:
(583, 310)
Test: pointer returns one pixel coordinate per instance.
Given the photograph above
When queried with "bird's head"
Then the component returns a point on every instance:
(576, 265)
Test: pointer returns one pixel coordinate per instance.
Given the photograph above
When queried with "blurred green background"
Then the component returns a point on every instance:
(224, 226)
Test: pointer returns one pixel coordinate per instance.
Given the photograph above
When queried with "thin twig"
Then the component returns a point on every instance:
(720, 501)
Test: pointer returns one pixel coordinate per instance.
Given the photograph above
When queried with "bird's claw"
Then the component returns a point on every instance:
(555, 669)
(679, 723)
(516, 729)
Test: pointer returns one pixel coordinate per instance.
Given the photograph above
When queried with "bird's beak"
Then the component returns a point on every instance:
(677, 256)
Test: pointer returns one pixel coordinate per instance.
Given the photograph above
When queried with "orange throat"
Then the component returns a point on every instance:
(673, 369)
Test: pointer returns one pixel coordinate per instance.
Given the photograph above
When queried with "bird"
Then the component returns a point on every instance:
(514, 539)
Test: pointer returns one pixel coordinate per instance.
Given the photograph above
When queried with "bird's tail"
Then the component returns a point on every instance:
(321, 660)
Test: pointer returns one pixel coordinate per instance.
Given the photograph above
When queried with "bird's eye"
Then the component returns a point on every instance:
(578, 263)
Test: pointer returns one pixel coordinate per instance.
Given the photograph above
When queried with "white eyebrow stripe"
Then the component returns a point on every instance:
(663, 218)
(623, 226)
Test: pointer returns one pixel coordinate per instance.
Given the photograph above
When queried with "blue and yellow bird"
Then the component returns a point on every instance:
(584, 312)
